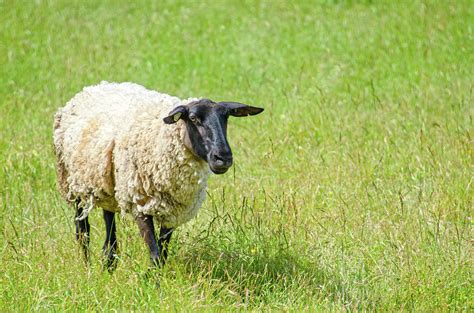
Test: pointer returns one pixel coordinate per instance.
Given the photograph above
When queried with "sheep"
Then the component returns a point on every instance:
(127, 149)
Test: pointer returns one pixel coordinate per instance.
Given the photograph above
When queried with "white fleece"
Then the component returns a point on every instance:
(114, 151)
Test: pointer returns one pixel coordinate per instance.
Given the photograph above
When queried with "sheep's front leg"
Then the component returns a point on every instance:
(147, 230)
(82, 230)
(163, 241)
(110, 245)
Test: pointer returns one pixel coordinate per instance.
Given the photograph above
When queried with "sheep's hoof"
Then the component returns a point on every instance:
(152, 275)
(110, 265)
(110, 261)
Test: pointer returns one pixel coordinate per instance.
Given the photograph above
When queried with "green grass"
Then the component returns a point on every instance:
(353, 190)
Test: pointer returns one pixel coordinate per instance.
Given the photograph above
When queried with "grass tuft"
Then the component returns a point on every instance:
(352, 191)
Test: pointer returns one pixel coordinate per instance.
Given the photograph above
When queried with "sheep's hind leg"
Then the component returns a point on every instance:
(147, 231)
(110, 245)
(163, 242)
(82, 230)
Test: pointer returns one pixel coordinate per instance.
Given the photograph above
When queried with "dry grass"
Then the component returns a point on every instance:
(352, 191)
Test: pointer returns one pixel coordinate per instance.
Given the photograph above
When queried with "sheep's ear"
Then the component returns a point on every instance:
(176, 114)
(240, 109)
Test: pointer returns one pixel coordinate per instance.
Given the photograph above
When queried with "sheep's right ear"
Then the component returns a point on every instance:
(240, 109)
(176, 114)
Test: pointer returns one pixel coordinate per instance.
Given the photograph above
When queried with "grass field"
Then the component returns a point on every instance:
(353, 190)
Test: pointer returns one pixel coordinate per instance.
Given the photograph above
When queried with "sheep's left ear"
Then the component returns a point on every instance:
(240, 109)
(176, 114)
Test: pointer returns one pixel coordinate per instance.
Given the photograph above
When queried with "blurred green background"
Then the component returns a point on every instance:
(353, 190)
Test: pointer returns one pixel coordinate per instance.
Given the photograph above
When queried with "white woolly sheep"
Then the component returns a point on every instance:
(127, 149)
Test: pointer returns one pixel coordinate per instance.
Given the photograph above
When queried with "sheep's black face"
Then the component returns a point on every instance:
(206, 125)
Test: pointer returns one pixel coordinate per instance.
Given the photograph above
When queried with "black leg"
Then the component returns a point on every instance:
(82, 230)
(110, 245)
(147, 230)
(163, 241)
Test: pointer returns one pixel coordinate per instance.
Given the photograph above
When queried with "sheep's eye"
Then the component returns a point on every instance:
(193, 118)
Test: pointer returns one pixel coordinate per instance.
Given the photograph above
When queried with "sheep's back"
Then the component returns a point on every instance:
(88, 128)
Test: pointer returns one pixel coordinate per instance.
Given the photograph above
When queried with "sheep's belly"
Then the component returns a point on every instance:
(108, 203)
(171, 214)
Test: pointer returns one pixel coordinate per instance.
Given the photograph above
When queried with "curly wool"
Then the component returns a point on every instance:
(113, 150)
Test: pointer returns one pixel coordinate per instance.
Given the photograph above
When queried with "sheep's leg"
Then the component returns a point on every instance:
(110, 244)
(163, 241)
(147, 231)
(82, 230)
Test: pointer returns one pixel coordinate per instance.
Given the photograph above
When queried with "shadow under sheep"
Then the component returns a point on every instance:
(259, 273)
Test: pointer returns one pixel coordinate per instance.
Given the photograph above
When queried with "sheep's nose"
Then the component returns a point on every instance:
(220, 162)
(222, 159)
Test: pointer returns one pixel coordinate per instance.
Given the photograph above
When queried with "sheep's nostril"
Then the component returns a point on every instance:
(221, 161)
(217, 160)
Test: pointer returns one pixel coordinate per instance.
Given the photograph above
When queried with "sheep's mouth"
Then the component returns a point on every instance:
(219, 169)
